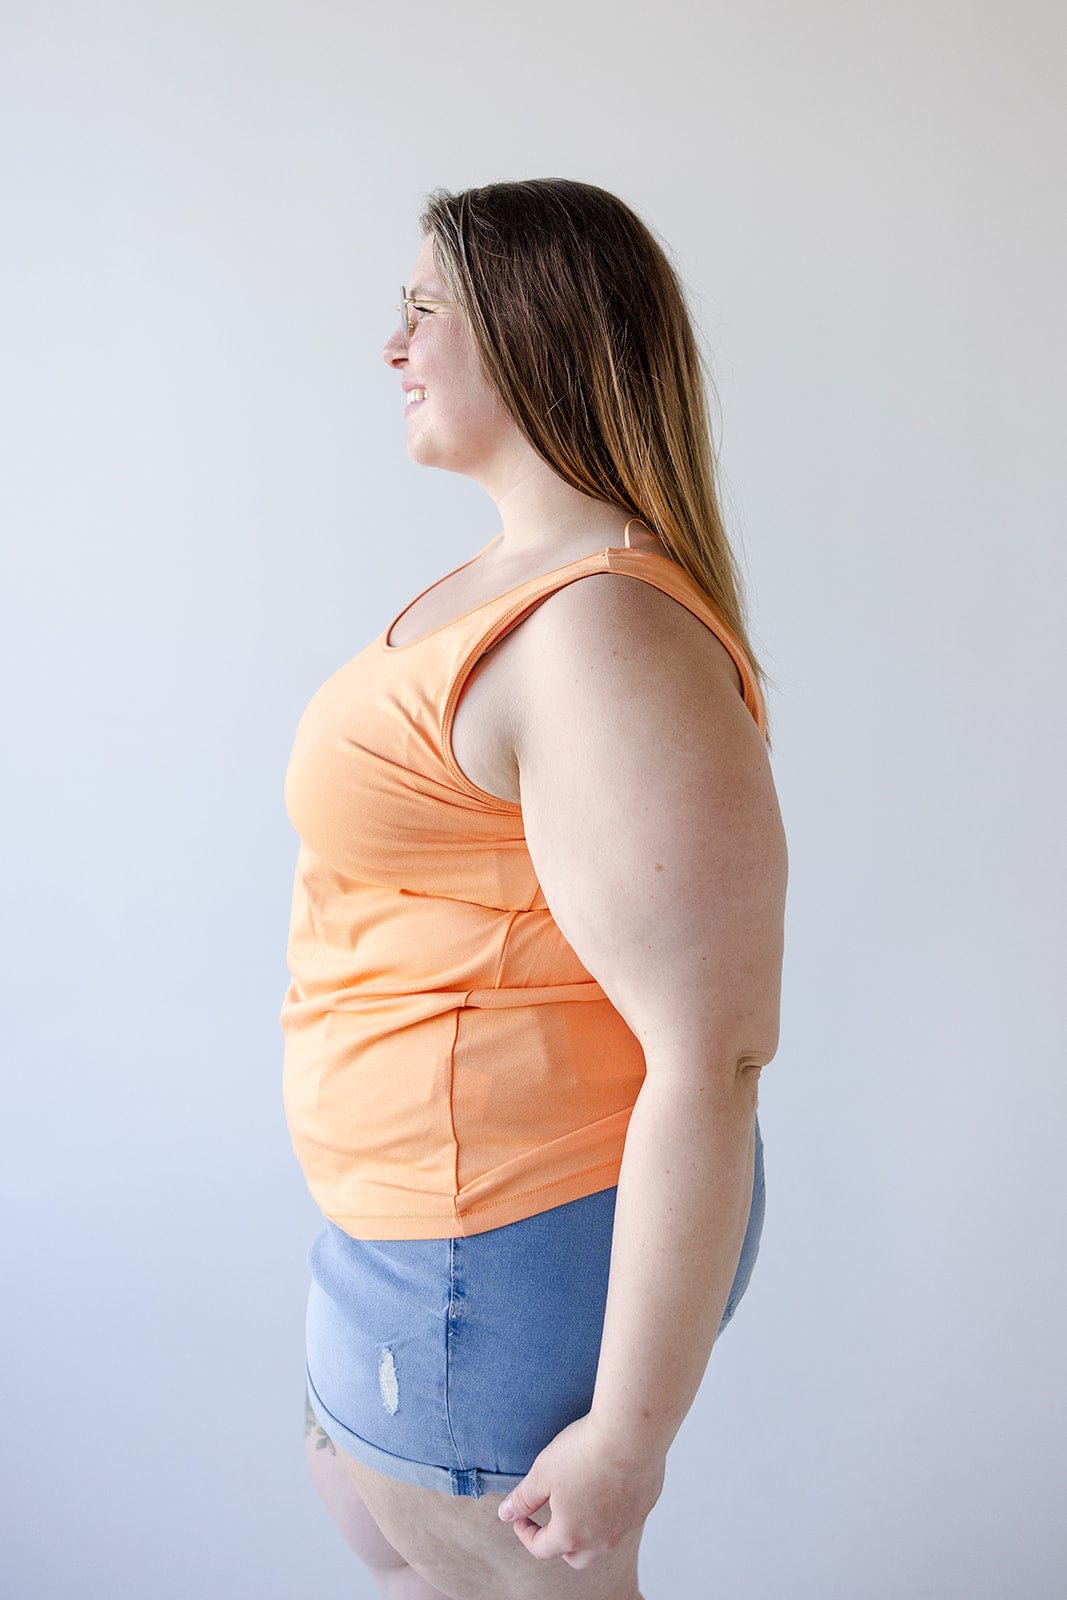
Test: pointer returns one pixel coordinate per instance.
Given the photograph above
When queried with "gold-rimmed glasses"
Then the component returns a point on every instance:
(408, 323)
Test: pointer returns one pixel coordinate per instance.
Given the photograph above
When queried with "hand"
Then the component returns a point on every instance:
(597, 1498)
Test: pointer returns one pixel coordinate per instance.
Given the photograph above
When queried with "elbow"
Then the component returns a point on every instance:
(746, 1079)
(748, 1065)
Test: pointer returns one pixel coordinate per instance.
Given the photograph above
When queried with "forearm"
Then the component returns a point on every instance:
(681, 1211)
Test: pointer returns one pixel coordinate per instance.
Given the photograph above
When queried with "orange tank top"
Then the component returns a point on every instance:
(450, 1066)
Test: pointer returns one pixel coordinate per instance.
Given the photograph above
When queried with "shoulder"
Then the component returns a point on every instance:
(616, 634)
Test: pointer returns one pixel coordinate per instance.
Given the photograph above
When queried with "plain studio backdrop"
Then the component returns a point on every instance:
(208, 507)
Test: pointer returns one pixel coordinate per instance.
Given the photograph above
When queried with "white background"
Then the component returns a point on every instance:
(208, 507)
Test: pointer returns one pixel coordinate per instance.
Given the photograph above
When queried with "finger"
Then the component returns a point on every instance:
(528, 1525)
(525, 1528)
(521, 1502)
(544, 1543)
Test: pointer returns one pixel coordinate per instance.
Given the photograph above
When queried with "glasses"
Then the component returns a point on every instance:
(408, 323)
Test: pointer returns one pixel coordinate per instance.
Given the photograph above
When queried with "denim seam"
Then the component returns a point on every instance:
(450, 1319)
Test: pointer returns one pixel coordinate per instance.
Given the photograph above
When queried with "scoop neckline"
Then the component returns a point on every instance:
(611, 549)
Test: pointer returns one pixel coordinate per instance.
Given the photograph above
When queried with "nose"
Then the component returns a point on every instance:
(395, 350)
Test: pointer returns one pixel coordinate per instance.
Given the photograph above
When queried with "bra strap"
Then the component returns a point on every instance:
(626, 530)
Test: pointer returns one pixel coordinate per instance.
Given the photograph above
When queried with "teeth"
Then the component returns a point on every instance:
(416, 394)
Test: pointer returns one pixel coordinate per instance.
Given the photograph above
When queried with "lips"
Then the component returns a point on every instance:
(416, 393)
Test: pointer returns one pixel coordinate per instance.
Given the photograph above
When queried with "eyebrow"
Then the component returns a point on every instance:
(419, 291)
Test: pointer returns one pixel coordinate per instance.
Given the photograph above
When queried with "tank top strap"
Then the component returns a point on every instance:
(647, 566)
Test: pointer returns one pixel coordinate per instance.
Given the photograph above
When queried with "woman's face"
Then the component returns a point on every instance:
(461, 424)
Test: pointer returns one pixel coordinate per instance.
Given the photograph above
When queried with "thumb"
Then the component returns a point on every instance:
(526, 1498)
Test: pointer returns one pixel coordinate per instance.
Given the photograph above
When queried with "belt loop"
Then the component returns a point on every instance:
(465, 1481)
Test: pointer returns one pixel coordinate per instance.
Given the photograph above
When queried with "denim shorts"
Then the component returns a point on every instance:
(451, 1363)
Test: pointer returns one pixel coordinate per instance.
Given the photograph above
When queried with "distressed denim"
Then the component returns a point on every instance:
(451, 1363)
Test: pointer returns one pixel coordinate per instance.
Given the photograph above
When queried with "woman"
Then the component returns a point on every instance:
(536, 938)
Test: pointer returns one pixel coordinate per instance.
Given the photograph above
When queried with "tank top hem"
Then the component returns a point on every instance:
(459, 1224)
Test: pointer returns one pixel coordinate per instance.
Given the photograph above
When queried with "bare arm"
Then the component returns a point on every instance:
(653, 824)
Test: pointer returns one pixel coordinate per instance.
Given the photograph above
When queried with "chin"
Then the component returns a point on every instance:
(425, 454)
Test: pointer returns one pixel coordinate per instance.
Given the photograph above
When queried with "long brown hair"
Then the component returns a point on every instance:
(582, 327)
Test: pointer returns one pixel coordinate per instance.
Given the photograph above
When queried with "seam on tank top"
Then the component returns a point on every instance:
(471, 1211)
(451, 1102)
(503, 950)
(520, 1194)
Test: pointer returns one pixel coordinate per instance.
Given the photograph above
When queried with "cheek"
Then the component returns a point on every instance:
(493, 410)
(471, 408)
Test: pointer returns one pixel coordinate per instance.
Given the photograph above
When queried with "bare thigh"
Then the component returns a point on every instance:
(459, 1544)
(337, 1490)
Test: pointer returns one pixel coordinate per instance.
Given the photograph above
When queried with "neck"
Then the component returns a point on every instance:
(542, 516)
